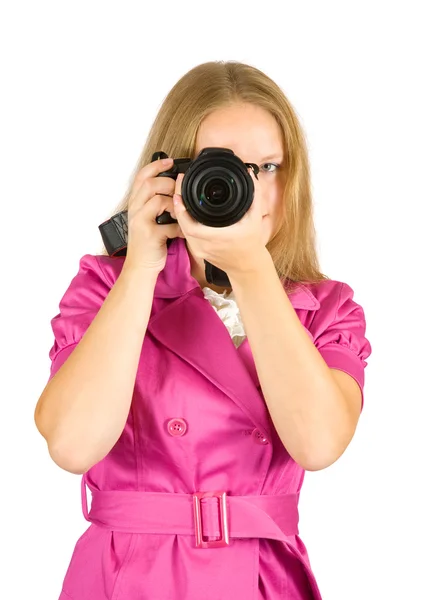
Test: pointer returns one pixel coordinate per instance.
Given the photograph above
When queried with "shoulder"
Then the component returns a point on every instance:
(107, 268)
(338, 329)
(331, 295)
(324, 297)
(333, 308)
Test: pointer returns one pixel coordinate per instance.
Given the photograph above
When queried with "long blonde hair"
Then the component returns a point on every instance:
(218, 84)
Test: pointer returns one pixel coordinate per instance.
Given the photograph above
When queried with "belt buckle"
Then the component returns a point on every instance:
(224, 540)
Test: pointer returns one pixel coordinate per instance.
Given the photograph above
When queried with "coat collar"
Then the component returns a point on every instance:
(190, 328)
(175, 279)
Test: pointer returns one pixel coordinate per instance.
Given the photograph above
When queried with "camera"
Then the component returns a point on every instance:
(217, 190)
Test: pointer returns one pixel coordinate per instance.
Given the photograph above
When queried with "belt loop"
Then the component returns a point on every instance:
(84, 498)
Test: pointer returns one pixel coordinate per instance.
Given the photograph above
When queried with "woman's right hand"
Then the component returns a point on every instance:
(150, 197)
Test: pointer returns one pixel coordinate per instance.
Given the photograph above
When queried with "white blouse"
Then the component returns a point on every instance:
(227, 310)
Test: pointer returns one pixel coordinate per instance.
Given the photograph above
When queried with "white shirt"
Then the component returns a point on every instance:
(227, 309)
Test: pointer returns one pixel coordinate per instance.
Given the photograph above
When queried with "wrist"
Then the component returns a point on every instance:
(253, 266)
(139, 273)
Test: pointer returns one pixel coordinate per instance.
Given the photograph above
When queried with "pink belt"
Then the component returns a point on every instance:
(213, 515)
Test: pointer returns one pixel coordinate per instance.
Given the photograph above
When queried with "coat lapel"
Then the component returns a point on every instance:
(190, 328)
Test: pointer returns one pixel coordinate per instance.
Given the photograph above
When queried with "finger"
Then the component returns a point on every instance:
(172, 231)
(185, 221)
(156, 206)
(151, 170)
(178, 183)
(150, 187)
(178, 206)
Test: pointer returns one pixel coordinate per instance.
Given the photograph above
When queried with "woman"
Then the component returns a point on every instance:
(193, 410)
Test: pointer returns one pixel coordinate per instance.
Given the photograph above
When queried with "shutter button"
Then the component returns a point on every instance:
(259, 437)
(177, 427)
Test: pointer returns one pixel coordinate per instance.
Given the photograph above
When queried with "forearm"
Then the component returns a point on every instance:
(84, 407)
(305, 403)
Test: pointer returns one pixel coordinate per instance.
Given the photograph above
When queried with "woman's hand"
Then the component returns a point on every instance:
(150, 197)
(235, 249)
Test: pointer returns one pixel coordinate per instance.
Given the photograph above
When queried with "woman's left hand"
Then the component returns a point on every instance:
(234, 249)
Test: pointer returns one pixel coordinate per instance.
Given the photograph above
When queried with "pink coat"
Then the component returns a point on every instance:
(198, 423)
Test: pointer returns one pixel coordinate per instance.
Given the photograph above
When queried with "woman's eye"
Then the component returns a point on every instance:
(271, 165)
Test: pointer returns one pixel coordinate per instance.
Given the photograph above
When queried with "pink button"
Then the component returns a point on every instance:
(177, 427)
(259, 437)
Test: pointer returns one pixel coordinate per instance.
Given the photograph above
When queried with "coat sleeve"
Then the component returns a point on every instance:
(340, 334)
(77, 309)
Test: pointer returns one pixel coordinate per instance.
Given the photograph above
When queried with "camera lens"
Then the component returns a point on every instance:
(217, 189)
(216, 192)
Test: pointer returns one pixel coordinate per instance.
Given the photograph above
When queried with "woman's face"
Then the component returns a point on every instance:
(254, 136)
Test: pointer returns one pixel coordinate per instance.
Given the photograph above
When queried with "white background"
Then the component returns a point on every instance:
(80, 86)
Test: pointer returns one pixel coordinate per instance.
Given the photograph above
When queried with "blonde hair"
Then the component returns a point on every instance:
(218, 84)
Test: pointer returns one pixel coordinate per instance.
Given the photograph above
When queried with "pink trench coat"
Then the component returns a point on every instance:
(198, 423)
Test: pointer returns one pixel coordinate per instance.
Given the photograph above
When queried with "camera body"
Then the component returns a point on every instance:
(217, 190)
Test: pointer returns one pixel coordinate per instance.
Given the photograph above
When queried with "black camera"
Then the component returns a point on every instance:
(217, 191)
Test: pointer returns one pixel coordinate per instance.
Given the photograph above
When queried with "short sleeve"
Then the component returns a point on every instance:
(77, 309)
(341, 337)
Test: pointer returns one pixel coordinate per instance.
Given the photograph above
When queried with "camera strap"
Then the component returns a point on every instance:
(216, 276)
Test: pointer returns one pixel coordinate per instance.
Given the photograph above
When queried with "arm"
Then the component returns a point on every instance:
(84, 407)
(314, 408)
